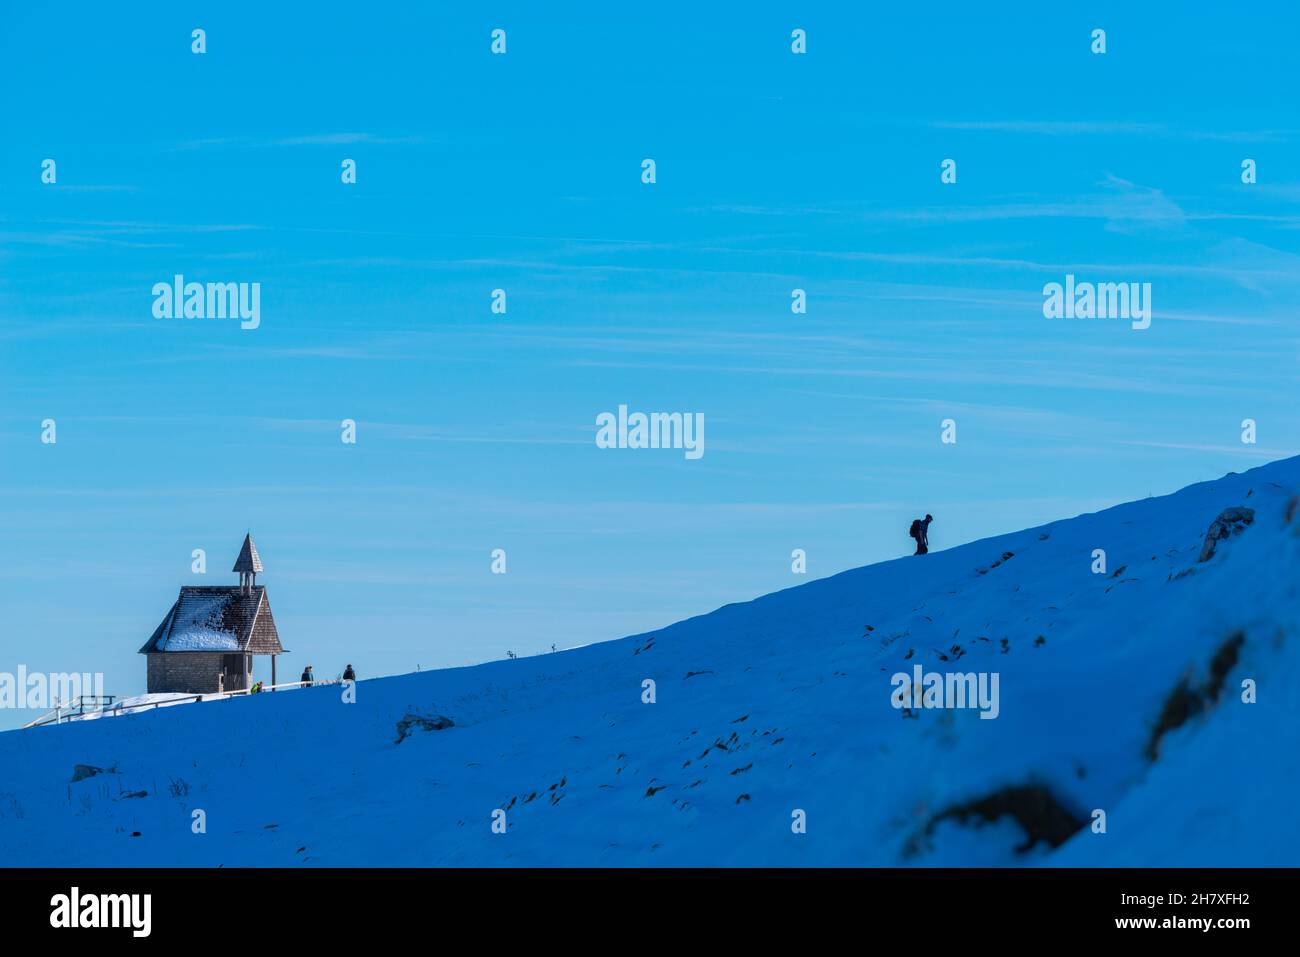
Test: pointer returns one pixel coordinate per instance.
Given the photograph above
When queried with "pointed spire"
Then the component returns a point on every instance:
(248, 560)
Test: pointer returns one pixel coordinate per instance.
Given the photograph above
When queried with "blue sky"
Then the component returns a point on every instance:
(522, 172)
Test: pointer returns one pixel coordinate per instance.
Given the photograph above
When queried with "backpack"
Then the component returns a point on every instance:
(915, 530)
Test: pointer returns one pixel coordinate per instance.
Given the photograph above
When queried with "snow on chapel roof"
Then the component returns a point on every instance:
(218, 618)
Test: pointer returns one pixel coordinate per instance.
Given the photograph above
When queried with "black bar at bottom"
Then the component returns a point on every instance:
(238, 906)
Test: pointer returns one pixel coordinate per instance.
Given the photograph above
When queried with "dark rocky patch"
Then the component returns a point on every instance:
(422, 723)
(1187, 700)
(82, 771)
(1231, 521)
(1038, 812)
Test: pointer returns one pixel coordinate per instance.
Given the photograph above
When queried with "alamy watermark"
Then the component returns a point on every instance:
(930, 689)
(654, 430)
(1101, 300)
(43, 691)
(75, 909)
(179, 299)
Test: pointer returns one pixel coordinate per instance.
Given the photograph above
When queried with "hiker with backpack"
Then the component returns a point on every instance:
(920, 531)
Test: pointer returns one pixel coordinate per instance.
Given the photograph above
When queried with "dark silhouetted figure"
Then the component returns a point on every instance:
(920, 530)
(349, 674)
(307, 677)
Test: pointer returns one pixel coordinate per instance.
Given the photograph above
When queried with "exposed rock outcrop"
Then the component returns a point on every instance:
(1230, 522)
(421, 722)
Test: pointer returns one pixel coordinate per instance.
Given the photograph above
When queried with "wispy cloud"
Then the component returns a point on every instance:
(1112, 128)
(311, 139)
(1257, 451)
(1051, 127)
(427, 433)
(337, 139)
(96, 188)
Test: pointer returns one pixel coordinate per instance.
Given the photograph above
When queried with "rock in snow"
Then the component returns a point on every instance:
(1229, 522)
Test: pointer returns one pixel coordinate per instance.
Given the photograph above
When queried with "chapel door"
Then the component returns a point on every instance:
(233, 673)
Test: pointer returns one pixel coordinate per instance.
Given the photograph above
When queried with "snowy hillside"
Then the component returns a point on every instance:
(1119, 691)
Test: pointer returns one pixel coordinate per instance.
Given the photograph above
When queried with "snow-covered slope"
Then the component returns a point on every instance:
(764, 709)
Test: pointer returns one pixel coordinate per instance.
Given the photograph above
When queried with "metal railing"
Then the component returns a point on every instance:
(103, 706)
(75, 708)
